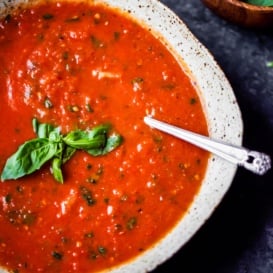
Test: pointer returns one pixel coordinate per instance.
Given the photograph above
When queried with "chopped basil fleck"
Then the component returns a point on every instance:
(48, 104)
(93, 255)
(100, 170)
(65, 55)
(96, 42)
(106, 200)
(89, 108)
(73, 108)
(8, 198)
(56, 255)
(116, 35)
(102, 250)
(131, 223)
(73, 19)
(87, 196)
(48, 16)
(118, 227)
(169, 86)
(89, 166)
(40, 37)
(19, 189)
(89, 235)
(137, 80)
(193, 101)
(28, 218)
(91, 180)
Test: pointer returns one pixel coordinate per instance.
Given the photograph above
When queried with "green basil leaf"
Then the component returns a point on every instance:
(265, 3)
(29, 157)
(42, 130)
(67, 153)
(55, 136)
(74, 136)
(102, 129)
(112, 143)
(51, 144)
(35, 125)
(56, 169)
(82, 140)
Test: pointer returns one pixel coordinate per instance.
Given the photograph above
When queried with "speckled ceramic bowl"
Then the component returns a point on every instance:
(223, 117)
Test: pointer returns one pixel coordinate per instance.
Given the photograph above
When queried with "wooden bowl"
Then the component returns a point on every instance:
(241, 13)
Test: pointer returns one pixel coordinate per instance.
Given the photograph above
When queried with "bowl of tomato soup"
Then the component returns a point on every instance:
(86, 185)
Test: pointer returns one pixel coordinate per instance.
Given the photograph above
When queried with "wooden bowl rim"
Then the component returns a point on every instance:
(249, 7)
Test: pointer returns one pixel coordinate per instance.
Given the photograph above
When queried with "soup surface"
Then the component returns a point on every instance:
(75, 66)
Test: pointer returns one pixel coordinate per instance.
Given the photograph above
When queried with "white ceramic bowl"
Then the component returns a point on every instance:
(222, 112)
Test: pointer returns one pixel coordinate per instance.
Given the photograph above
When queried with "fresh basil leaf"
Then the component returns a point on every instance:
(265, 3)
(112, 143)
(74, 136)
(42, 130)
(51, 144)
(56, 169)
(35, 125)
(29, 157)
(102, 129)
(67, 153)
(82, 140)
(55, 136)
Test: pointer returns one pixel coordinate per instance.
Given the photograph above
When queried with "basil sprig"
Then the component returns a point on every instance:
(269, 64)
(265, 3)
(51, 145)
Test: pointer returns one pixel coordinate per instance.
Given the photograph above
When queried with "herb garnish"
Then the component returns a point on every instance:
(131, 223)
(51, 145)
(48, 16)
(56, 255)
(265, 3)
(87, 196)
(269, 64)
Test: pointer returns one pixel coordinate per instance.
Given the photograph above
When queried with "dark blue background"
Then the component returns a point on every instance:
(238, 238)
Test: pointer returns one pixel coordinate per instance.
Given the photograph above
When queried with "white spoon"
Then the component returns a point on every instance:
(256, 162)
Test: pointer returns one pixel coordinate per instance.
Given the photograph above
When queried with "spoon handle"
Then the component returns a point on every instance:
(256, 162)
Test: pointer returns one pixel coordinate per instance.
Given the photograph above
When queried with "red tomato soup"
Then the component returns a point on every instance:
(75, 66)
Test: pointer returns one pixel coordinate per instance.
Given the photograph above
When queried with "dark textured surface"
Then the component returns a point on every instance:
(238, 238)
